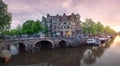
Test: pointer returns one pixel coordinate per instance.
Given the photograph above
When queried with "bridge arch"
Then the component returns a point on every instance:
(62, 43)
(20, 46)
(42, 44)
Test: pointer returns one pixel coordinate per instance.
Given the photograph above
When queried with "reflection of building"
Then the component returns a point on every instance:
(63, 25)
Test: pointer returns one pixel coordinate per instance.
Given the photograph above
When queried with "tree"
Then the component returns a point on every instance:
(19, 30)
(108, 30)
(31, 27)
(5, 17)
(37, 27)
(99, 28)
(88, 26)
(26, 27)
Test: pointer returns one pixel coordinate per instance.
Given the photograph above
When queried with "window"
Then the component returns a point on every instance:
(64, 27)
(67, 27)
(73, 23)
(54, 23)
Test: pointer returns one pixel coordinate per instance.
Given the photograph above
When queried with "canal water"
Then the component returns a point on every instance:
(108, 54)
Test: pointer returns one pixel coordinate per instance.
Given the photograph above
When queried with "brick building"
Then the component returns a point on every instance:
(63, 25)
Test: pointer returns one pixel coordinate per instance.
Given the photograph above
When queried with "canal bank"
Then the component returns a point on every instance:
(82, 56)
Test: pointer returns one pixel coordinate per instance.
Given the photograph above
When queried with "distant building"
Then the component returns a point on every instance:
(63, 26)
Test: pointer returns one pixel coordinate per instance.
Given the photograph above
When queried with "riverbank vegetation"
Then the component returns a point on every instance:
(29, 27)
(5, 17)
(90, 27)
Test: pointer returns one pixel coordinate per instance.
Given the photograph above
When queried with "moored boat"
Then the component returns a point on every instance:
(103, 39)
(93, 41)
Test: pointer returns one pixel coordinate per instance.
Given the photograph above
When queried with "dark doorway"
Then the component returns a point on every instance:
(43, 45)
(62, 43)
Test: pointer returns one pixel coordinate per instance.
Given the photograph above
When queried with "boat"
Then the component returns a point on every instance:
(93, 41)
(5, 55)
(103, 39)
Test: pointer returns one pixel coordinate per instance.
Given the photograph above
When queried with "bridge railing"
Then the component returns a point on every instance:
(27, 38)
(32, 37)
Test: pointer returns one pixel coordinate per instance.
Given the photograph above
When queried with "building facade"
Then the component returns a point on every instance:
(63, 25)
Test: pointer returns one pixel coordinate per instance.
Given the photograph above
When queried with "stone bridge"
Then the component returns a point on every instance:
(31, 44)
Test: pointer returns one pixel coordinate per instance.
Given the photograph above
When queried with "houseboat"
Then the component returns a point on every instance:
(93, 41)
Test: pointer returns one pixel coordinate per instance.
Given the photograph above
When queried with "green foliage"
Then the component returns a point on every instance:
(29, 27)
(99, 28)
(90, 27)
(5, 17)
(108, 30)
(12, 32)
(37, 27)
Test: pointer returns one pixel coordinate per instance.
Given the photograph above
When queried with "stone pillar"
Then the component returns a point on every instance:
(29, 49)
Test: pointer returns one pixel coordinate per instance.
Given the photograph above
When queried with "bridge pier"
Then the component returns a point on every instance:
(30, 49)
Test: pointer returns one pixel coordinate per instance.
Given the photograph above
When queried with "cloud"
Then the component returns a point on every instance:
(105, 11)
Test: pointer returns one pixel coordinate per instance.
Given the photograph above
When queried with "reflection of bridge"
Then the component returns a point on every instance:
(37, 43)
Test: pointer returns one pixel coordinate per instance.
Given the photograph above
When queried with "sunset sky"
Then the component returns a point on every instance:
(105, 11)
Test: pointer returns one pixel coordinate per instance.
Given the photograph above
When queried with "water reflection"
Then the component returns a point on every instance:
(82, 56)
(116, 42)
(93, 53)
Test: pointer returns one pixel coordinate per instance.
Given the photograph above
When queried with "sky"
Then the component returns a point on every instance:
(105, 11)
